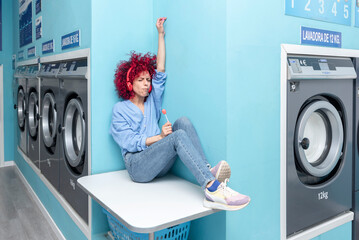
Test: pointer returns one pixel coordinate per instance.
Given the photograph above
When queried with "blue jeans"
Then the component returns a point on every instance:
(157, 159)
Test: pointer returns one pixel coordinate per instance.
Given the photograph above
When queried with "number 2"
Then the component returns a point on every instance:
(307, 6)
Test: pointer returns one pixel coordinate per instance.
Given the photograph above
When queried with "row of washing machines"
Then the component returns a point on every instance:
(51, 104)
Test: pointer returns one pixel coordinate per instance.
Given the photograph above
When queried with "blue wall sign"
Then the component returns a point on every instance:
(319, 37)
(38, 27)
(31, 52)
(20, 55)
(38, 6)
(70, 40)
(25, 22)
(48, 47)
(334, 11)
(356, 13)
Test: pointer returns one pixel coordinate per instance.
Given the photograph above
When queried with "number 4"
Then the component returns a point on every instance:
(334, 9)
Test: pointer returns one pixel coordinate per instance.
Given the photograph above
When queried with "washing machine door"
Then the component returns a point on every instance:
(74, 132)
(319, 138)
(33, 114)
(21, 108)
(49, 120)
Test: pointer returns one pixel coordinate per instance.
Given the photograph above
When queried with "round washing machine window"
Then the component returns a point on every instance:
(49, 119)
(21, 106)
(33, 114)
(319, 138)
(75, 130)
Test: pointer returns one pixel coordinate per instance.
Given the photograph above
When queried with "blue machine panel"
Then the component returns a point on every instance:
(48, 47)
(70, 40)
(334, 11)
(31, 52)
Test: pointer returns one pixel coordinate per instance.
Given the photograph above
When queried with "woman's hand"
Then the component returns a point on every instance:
(166, 129)
(159, 25)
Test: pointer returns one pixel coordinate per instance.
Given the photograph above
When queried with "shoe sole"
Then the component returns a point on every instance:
(216, 205)
(223, 172)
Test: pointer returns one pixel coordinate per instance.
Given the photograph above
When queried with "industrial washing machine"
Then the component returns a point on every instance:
(319, 139)
(356, 155)
(74, 133)
(33, 114)
(21, 107)
(50, 115)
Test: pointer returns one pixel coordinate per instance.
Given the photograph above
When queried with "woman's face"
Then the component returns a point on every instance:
(141, 84)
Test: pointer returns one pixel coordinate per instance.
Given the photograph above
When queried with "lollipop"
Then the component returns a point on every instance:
(165, 113)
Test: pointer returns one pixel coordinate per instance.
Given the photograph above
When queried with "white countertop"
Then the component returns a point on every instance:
(146, 207)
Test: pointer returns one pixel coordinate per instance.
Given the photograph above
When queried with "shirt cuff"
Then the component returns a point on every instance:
(159, 75)
(143, 142)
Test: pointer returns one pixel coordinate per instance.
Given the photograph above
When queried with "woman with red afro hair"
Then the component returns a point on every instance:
(149, 152)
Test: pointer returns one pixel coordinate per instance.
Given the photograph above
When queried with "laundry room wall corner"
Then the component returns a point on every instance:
(6, 61)
(113, 38)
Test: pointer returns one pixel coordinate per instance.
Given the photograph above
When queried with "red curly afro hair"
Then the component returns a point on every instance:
(139, 64)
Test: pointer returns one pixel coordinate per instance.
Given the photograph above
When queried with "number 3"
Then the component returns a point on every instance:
(321, 9)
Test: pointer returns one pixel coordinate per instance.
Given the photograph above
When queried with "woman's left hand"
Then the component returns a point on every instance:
(159, 25)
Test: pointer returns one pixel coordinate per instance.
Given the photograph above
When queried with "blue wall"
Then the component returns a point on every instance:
(255, 30)
(58, 18)
(212, 47)
(6, 60)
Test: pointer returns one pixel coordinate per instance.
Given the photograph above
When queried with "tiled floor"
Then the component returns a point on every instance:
(20, 217)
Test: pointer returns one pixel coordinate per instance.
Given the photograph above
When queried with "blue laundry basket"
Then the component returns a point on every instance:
(121, 232)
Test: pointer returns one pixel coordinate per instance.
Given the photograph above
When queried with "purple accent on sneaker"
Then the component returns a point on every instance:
(236, 200)
(215, 169)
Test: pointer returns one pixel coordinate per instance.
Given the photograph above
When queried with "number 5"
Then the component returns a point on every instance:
(346, 11)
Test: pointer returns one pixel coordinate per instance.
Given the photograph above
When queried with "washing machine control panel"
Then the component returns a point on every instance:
(49, 69)
(73, 69)
(317, 67)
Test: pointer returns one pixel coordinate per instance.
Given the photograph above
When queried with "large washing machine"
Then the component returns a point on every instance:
(319, 139)
(21, 107)
(356, 155)
(33, 114)
(50, 113)
(74, 131)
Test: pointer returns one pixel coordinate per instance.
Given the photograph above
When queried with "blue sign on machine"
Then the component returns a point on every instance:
(31, 52)
(334, 11)
(48, 47)
(20, 55)
(320, 37)
(70, 40)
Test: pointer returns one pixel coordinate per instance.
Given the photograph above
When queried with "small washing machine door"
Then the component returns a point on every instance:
(49, 120)
(74, 132)
(33, 114)
(21, 108)
(319, 138)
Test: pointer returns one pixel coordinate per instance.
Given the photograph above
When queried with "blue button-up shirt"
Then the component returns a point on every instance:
(130, 127)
